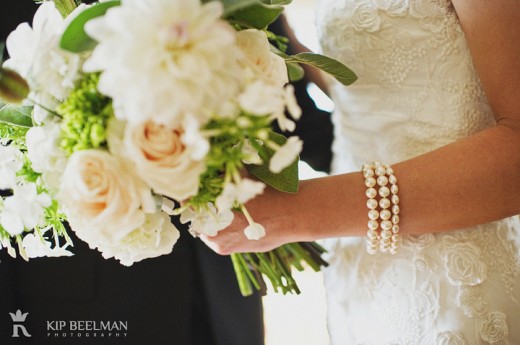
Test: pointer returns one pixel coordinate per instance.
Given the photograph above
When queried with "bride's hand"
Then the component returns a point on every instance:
(264, 210)
(320, 209)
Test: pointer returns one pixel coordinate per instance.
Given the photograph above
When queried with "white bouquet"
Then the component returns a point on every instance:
(121, 114)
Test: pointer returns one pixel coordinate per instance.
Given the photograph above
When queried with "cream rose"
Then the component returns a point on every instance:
(263, 63)
(103, 200)
(463, 264)
(366, 18)
(494, 329)
(155, 237)
(163, 159)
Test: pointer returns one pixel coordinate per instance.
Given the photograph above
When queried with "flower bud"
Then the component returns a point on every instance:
(13, 88)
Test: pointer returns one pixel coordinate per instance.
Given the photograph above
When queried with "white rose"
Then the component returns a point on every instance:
(463, 264)
(449, 338)
(366, 18)
(260, 59)
(471, 301)
(494, 328)
(162, 159)
(155, 237)
(104, 201)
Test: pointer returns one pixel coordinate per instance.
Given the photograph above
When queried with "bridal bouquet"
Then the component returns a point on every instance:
(120, 114)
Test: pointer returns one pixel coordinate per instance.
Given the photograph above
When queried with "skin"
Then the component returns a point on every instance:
(469, 182)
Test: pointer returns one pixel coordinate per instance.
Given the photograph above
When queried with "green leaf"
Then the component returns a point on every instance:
(16, 115)
(75, 39)
(65, 7)
(286, 180)
(335, 68)
(251, 13)
(295, 71)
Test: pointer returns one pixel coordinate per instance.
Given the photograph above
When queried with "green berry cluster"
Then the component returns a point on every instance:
(85, 116)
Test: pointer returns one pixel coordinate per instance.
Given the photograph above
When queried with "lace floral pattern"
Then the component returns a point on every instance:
(417, 90)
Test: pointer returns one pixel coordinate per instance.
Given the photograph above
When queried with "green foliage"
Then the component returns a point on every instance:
(74, 38)
(85, 116)
(65, 7)
(16, 115)
(13, 134)
(336, 69)
(285, 181)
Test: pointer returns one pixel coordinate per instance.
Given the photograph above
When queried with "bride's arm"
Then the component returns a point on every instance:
(469, 182)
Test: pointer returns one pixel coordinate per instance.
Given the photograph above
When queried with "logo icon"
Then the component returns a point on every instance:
(18, 319)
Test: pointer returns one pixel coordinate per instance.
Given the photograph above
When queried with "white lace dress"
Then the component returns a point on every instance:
(417, 91)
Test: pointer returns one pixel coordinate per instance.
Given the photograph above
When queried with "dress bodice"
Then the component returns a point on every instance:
(417, 90)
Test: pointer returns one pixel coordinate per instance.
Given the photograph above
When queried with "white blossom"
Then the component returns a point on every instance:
(36, 247)
(241, 192)
(154, 237)
(35, 54)
(24, 209)
(208, 221)
(254, 231)
(161, 59)
(45, 154)
(285, 155)
(11, 161)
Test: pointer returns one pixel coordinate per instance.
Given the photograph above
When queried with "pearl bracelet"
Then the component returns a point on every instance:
(383, 205)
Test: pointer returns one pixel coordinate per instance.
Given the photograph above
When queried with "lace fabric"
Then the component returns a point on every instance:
(417, 91)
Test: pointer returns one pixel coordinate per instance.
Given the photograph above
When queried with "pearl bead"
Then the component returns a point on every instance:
(389, 171)
(371, 193)
(384, 203)
(372, 204)
(395, 219)
(371, 234)
(386, 225)
(394, 189)
(380, 171)
(385, 214)
(368, 173)
(392, 179)
(373, 224)
(370, 182)
(396, 238)
(387, 242)
(396, 209)
(373, 214)
(382, 181)
(395, 199)
(367, 166)
(373, 242)
(384, 192)
(386, 234)
(395, 229)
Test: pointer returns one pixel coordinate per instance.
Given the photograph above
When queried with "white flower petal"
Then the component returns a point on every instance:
(254, 231)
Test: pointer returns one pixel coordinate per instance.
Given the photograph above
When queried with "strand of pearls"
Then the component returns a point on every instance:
(383, 208)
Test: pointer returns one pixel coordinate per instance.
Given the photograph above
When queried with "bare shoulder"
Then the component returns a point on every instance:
(492, 28)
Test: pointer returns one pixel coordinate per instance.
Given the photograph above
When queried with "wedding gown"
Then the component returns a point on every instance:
(417, 91)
